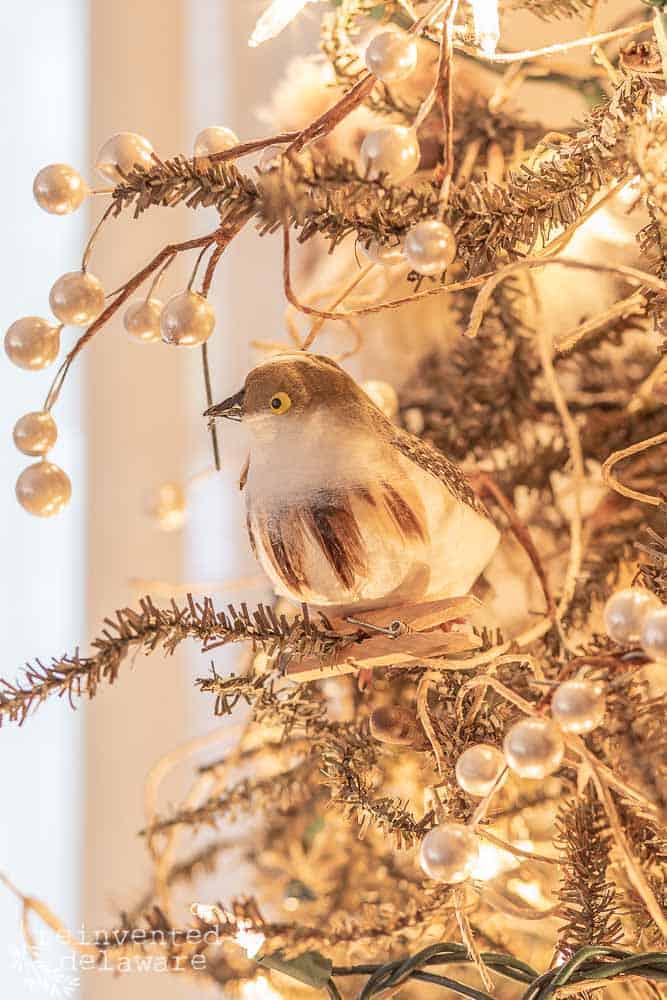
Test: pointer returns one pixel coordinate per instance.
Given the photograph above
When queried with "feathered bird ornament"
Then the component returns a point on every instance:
(345, 511)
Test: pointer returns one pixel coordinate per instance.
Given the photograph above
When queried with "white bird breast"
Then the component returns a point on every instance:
(457, 541)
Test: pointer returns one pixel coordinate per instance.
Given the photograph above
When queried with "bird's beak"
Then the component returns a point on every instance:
(231, 408)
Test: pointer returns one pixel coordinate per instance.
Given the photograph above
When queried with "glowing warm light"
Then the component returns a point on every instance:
(275, 19)
(603, 226)
(628, 194)
(209, 914)
(530, 892)
(487, 25)
(259, 989)
(251, 941)
(492, 861)
(657, 107)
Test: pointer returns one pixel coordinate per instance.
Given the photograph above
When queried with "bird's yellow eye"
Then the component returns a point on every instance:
(280, 403)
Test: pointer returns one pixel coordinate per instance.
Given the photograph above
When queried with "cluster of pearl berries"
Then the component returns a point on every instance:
(635, 616)
(77, 299)
(393, 151)
(533, 748)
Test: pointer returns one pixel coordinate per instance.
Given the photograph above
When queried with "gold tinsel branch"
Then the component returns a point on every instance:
(151, 628)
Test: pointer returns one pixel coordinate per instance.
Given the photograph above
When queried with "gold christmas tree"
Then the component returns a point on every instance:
(441, 791)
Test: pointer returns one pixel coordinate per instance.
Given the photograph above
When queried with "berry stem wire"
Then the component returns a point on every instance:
(123, 294)
(444, 88)
(92, 239)
(209, 402)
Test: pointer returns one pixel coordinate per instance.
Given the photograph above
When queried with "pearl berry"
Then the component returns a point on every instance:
(142, 320)
(123, 153)
(625, 611)
(391, 56)
(578, 706)
(448, 853)
(43, 489)
(430, 247)
(478, 769)
(215, 139)
(392, 150)
(77, 298)
(59, 189)
(187, 319)
(534, 748)
(654, 634)
(35, 433)
(32, 343)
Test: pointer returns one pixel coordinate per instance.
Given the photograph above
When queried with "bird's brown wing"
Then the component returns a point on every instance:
(433, 461)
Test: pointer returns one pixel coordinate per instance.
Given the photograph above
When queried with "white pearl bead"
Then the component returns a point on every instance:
(215, 139)
(142, 320)
(32, 343)
(59, 189)
(43, 489)
(578, 706)
(123, 153)
(534, 748)
(77, 298)
(382, 253)
(391, 56)
(478, 768)
(448, 853)
(654, 634)
(187, 319)
(35, 433)
(625, 611)
(383, 395)
(392, 150)
(168, 507)
(430, 247)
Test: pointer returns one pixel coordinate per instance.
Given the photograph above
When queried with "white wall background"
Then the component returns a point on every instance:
(44, 111)
(72, 73)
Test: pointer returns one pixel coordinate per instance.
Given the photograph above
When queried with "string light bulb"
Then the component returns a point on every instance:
(275, 19)
(168, 507)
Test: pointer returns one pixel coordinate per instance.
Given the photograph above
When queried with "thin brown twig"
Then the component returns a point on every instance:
(520, 532)
(445, 90)
(123, 295)
(635, 449)
(548, 50)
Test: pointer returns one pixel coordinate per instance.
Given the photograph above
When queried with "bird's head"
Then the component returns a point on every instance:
(291, 391)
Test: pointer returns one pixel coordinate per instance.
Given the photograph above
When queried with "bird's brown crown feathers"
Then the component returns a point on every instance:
(312, 380)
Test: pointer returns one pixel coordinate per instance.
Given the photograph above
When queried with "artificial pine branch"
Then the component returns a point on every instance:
(331, 199)
(279, 792)
(151, 628)
(653, 548)
(588, 900)
(551, 9)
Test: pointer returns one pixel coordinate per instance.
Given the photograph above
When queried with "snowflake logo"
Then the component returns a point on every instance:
(40, 977)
